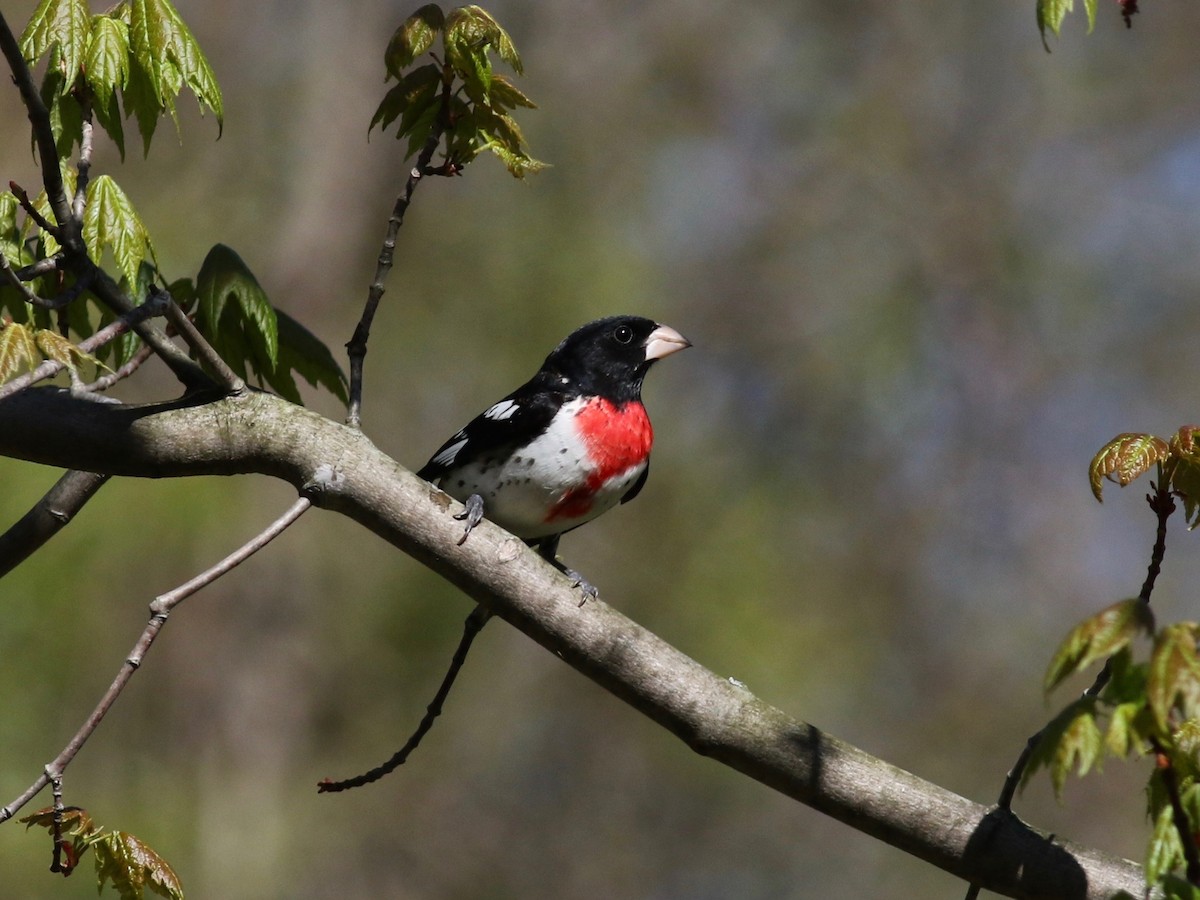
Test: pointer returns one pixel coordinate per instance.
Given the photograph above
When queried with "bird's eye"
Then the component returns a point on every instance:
(623, 334)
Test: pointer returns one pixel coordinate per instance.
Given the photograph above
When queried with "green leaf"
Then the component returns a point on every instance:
(1185, 472)
(302, 352)
(1050, 15)
(420, 130)
(474, 27)
(470, 33)
(109, 220)
(1098, 637)
(1165, 852)
(1187, 742)
(518, 164)
(165, 57)
(56, 347)
(412, 38)
(1124, 458)
(107, 68)
(1124, 736)
(409, 99)
(18, 350)
(233, 312)
(471, 64)
(1176, 888)
(506, 94)
(133, 867)
(139, 101)
(1174, 674)
(1185, 481)
(61, 25)
(107, 71)
(1071, 740)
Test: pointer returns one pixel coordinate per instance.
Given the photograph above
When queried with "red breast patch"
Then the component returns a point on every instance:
(617, 439)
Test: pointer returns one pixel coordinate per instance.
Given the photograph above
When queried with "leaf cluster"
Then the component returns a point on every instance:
(1051, 13)
(122, 859)
(138, 55)
(1149, 706)
(110, 225)
(1132, 454)
(457, 96)
(22, 349)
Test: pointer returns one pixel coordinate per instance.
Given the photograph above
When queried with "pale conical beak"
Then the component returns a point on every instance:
(663, 341)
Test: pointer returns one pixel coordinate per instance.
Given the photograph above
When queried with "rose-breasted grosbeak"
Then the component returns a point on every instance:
(566, 446)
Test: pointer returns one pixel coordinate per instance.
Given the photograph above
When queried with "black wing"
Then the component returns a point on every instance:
(637, 485)
(504, 426)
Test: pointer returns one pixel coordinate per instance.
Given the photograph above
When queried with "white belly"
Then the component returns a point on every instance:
(544, 489)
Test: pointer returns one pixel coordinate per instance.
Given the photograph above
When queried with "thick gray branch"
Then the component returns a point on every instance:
(717, 717)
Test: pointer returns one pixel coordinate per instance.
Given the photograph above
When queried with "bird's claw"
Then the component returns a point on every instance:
(472, 514)
(590, 591)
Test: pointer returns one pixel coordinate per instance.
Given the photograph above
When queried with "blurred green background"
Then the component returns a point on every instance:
(928, 269)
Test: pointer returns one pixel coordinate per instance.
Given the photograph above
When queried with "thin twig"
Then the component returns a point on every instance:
(18, 279)
(56, 823)
(226, 378)
(104, 382)
(160, 609)
(47, 517)
(187, 370)
(356, 347)
(83, 165)
(471, 627)
(41, 267)
(26, 291)
(51, 367)
(32, 211)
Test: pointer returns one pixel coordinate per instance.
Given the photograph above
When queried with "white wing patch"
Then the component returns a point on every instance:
(446, 457)
(501, 411)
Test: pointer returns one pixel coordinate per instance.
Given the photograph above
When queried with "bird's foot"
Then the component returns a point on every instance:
(472, 515)
(590, 591)
(548, 550)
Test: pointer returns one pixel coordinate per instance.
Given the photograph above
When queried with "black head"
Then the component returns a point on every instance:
(610, 357)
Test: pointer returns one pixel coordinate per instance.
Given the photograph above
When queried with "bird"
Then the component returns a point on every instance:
(568, 445)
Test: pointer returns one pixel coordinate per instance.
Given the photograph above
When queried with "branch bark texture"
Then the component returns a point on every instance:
(341, 470)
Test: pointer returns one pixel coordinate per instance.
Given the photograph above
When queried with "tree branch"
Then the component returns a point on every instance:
(356, 347)
(225, 376)
(476, 619)
(47, 517)
(717, 717)
(43, 133)
(160, 609)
